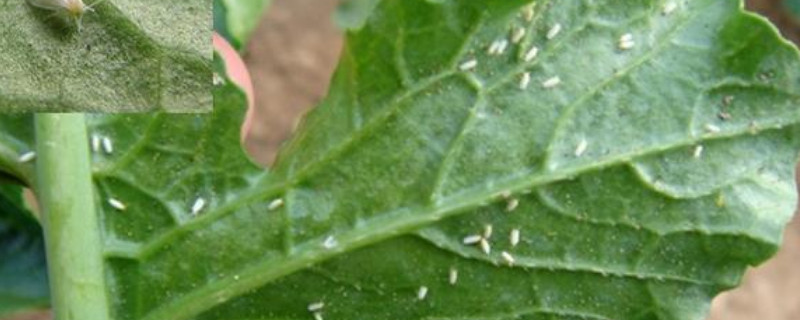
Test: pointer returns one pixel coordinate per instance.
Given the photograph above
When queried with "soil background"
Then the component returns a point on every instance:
(292, 56)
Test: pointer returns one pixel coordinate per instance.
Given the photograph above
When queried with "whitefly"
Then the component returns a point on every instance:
(72, 9)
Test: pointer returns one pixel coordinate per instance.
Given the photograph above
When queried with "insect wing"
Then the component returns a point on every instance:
(48, 4)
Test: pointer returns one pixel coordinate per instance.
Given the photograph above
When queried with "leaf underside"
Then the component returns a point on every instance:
(622, 214)
(129, 56)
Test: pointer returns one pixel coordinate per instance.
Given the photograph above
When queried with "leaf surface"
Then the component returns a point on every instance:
(130, 55)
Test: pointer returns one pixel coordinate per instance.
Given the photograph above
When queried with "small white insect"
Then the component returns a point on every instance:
(318, 316)
(498, 47)
(330, 243)
(116, 204)
(551, 83)
(493, 48)
(527, 12)
(422, 292)
(316, 306)
(626, 42)
(72, 9)
(27, 157)
(712, 128)
(517, 34)
(217, 80)
(501, 47)
(554, 31)
(627, 45)
(514, 237)
(96, 140)
(485, 246)
(472, 239)
(275, 204)
(525, 80)
(198, 205)
(487, 231)
(108, 145)
(727, 100)
(469, 65)
(698, 151)
(507, 257)
(453, 276)
(512, 204)
(581, 148)
(531, 54)
(669, 7)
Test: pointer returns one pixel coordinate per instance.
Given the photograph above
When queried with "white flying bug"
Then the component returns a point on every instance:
(73, 9)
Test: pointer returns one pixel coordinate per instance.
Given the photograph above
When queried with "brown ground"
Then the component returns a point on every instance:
(293, 55)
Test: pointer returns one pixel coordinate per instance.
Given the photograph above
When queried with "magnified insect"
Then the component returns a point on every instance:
(72, 9)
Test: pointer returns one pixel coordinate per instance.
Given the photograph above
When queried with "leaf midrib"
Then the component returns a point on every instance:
(385, 226)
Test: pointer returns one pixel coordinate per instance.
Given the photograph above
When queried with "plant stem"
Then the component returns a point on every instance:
(71, 224)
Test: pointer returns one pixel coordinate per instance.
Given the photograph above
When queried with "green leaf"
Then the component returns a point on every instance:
(129, 56)
(23, 271)
(16, 139)
(353, 14)
(621, 215)
(236, 19)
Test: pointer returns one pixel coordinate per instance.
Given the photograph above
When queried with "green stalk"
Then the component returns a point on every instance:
(71, 224)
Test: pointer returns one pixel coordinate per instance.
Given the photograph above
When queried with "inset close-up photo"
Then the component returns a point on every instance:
(425, 160)
(113, 56)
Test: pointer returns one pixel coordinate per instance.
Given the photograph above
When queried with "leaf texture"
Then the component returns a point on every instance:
(130, 56)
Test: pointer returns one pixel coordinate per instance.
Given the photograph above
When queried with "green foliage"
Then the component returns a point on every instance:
(130, 55)
(622, 214)
(237, 19)
(23, 273)
(16, 138)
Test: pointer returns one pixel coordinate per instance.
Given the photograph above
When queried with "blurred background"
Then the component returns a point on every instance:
(292, 56)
